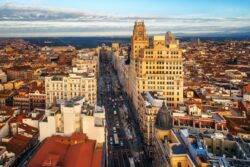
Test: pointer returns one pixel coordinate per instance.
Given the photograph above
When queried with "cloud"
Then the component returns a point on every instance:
(23, 20)
(26, 13)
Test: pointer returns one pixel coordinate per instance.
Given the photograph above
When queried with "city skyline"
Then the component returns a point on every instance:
(113, 18)
(156, 101)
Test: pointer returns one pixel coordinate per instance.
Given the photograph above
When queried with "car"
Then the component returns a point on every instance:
(121, 143)
(111, 139)
(111, 142)
(117, 123)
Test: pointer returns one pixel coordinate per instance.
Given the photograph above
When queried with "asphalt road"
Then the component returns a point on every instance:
(111, 96)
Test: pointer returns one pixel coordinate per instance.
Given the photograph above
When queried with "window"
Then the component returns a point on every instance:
(179, 164)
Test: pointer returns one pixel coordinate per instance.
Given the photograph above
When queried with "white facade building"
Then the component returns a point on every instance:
(93, 126)
(33, 118)
(66, 87)
(75, 115)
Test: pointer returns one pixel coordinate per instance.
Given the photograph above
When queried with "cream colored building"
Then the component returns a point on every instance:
(87, 63)
(115, 58)
(155, 67)
(155, 76)
(3, 76)
(16, 84)
(149, 104)
(66, 87)
(58, 48)
(139, 40)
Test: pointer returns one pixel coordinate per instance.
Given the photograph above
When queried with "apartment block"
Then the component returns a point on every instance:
(156, 66)
(68, 86)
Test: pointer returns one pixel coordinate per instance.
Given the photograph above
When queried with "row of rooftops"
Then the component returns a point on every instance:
(217, 109)
(20, 137)
(14, 114)
(209, 149)
(85, 107)
(217, 61)
(35, 59)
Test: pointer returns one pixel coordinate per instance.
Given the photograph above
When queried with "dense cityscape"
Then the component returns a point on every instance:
(125, 91)
(154, 102)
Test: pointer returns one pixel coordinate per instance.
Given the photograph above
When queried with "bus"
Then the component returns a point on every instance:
(116, 139)
(131, 162)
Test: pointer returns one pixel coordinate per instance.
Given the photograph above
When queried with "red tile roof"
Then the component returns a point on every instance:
(49, 147)
(6, 110)
(41, 89)
(61, 151)
(80, 155)
(18, 118)
(97, 158)
(247, 88)
(51, 160)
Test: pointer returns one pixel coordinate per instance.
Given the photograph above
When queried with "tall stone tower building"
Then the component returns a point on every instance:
(139, 41)
(156, 66)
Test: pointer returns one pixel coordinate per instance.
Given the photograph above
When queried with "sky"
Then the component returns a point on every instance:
(35, 18)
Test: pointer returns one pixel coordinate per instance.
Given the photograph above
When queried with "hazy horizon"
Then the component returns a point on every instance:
(45, 18)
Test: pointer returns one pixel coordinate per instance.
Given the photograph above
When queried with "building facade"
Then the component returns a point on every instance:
(86, 63)
(156, 76)
(156, 66)
(37, 99)
(66, 87)
(22, 101)
(148, 105)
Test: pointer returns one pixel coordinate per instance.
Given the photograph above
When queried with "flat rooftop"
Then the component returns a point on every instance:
(178, 149)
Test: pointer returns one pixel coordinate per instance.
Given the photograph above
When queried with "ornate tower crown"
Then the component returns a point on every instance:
(139, 33)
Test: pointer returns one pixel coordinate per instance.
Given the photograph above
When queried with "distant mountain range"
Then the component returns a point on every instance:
(230, 35)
